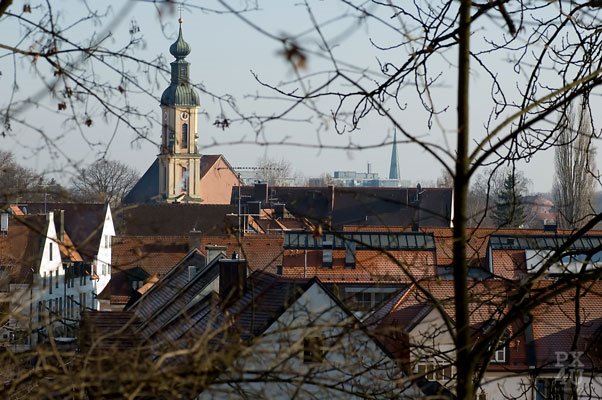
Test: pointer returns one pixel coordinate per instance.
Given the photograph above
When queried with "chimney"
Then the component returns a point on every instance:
(261, 192)
(4, 224)
(350, 254)
(416, 204)
(213, 251)
(194, 239)
(254, 207)
(232, 280)
(369, 169)
(61, 225)
(327, 254)
(278, 210)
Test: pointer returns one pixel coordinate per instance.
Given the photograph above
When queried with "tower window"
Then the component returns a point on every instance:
(184, 184)
(172, 140)
(184, 136)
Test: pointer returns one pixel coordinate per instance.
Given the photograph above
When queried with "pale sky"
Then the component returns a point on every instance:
(225, 54)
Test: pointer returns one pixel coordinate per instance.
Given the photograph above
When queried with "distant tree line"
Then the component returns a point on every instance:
(102, 181)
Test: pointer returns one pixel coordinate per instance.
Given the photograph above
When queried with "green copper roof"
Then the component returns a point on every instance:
(180, 92)
(180, 48)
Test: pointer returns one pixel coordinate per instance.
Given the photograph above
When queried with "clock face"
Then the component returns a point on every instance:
(184, 115)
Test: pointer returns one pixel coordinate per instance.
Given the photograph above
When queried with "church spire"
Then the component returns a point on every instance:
(179, 157)
(180, 92)
(394, 168)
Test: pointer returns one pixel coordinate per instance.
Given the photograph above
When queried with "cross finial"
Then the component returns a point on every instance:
(180, 9)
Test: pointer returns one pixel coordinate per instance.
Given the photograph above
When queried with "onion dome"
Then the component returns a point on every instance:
(180, 49)
(180, 92)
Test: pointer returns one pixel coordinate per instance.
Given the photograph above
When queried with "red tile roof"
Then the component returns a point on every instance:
(21, 248)
(263, 252)
(554, 322)
(154, 254)
(370, 266)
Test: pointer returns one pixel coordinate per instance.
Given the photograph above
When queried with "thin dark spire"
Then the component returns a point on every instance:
(394, 168)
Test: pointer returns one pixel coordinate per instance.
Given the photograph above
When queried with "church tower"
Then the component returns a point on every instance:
(179, 158)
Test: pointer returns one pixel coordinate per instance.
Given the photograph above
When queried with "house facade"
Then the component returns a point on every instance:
(91, 228)
(45, 283)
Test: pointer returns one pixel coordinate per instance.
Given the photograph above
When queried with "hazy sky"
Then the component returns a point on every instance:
(226, 53)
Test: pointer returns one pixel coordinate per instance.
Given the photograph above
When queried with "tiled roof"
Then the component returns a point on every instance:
(175, 219)
(262, 252)
(154, 254)
(104, 332)
(366, 206)
(68, 250)
(83, 221)
(266, 297)
(208, 161)
(555, 322)
(172, 283)
(147, 187)
(553, 325)
(21, 248)
(161, 314)
(370, 265)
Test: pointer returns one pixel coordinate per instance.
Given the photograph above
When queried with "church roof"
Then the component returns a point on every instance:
(147, 187)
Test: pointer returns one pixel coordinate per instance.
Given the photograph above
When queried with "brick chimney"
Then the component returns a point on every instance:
(232, 279)
(213, 251)
(194, 239)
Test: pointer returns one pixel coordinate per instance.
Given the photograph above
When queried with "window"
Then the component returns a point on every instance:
(107, 241)
(184, 136)
(171, 143)
(50, 251)
(50, 283)
(433, 372)
(313, 349)
(499, 355)
(184, 182)
(56, 278)
(364, 299)
(554, 389)
(500, 351)
(44, 281)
